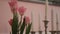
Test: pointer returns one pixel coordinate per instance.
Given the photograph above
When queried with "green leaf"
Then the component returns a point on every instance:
(28, 29)
(19, 24)
(15, 24)
(22, 27)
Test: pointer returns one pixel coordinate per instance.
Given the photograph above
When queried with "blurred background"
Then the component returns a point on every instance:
(36, 12)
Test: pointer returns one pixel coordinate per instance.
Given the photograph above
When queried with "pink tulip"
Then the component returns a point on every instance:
(13, 6)
(27, 20)
(12, 3)
(21, 10)
(10, 21)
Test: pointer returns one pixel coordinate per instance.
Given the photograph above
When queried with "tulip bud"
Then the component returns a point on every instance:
(27, 20)
(10, 21)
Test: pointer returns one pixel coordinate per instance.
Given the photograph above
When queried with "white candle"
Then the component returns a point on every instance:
(46, 9)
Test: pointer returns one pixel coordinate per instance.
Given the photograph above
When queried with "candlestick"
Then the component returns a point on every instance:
(46, 21)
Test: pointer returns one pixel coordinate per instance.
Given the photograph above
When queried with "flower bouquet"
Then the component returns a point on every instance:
(24, 24)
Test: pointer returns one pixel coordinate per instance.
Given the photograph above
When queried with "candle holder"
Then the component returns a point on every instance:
(45, 24)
